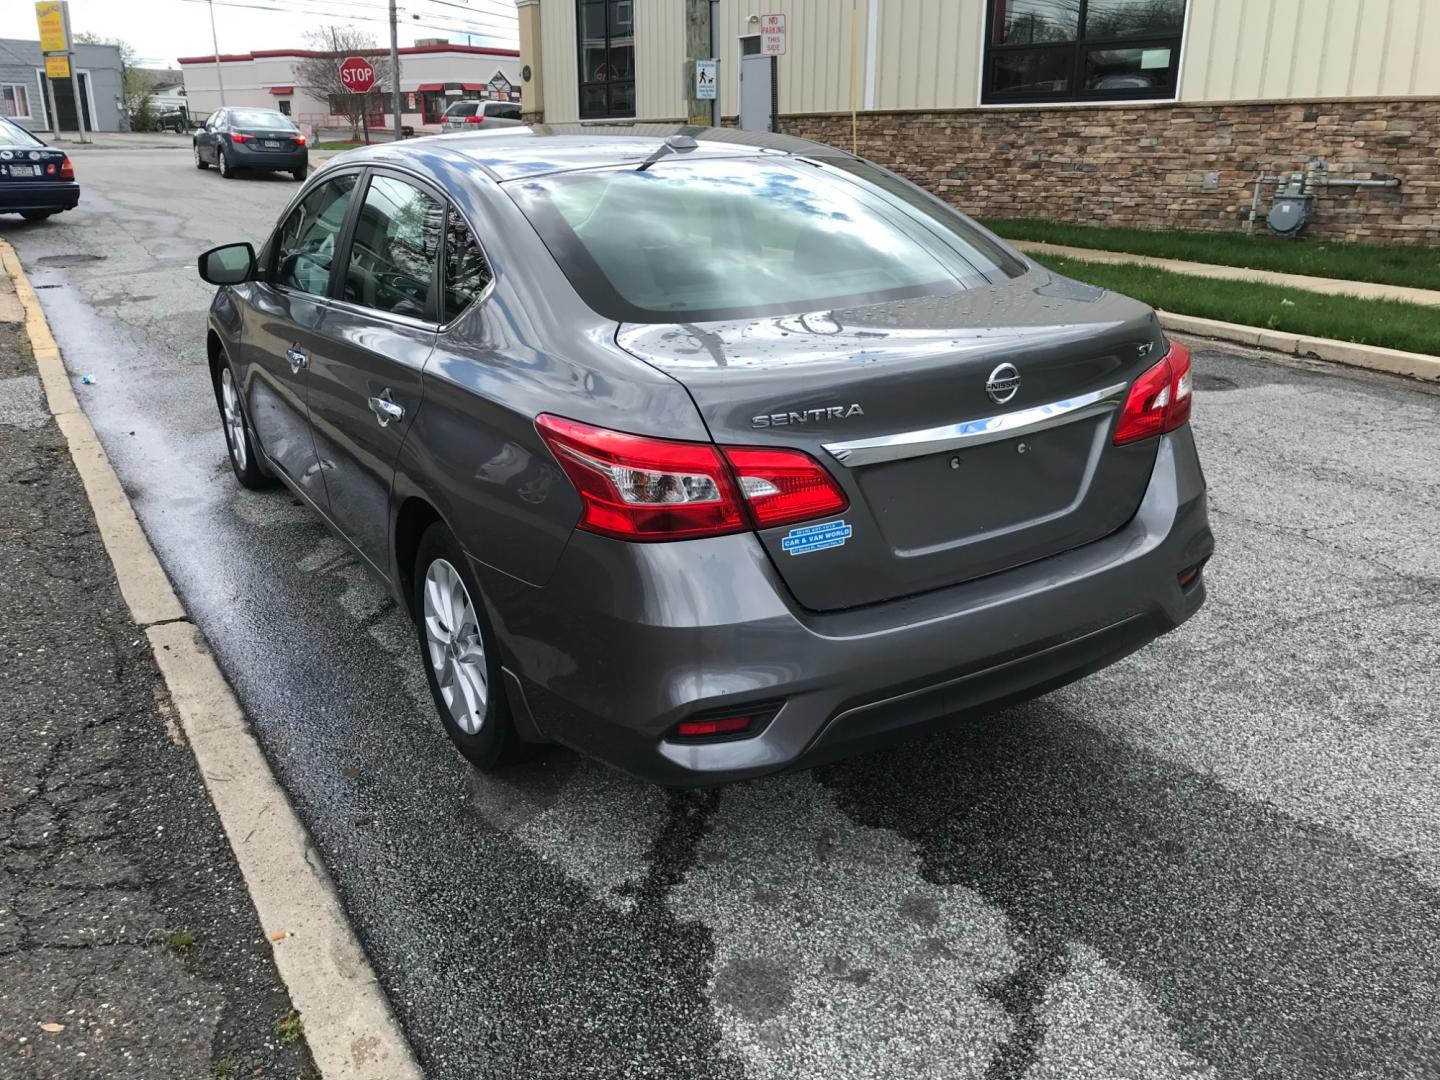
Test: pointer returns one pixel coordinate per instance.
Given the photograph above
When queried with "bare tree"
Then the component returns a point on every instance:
(319, 76)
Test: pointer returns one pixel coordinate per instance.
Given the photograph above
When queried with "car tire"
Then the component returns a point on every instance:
(239, 440)
(222, 160)
(455, 638)
(200, 162)
(299, 175)
(37, 215)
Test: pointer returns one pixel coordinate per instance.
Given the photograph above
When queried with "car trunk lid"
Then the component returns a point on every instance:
(947, 481)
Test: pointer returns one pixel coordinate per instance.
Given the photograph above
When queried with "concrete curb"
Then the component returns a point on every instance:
(1369, 357)
(348, 1022)
(1361, 290)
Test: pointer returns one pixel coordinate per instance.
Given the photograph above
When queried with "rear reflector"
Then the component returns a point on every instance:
(708, 729)
(1159, 400)
(1187, 577)
(633, 487)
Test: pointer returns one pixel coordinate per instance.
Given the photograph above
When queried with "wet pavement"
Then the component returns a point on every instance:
(129, 949)
(1220, 858)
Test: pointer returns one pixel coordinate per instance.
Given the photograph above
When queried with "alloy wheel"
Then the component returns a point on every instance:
(455, 647)
(234, 418)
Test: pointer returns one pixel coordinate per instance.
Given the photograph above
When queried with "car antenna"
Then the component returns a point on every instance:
(673, 144)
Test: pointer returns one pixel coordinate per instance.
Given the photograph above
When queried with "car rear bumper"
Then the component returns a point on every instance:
(244, 156)
(16, 196)
(626, 640)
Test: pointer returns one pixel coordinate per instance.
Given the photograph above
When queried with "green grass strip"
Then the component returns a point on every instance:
(1417, 267)
(1387, 323)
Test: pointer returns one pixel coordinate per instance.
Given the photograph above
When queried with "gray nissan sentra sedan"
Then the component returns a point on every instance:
(707, 453)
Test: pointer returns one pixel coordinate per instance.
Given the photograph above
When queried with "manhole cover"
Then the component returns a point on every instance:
(77, 259)
(1213, 382)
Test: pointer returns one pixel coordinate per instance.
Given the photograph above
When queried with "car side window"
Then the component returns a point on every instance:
(467, 271)
(393, 253)
(308, 239)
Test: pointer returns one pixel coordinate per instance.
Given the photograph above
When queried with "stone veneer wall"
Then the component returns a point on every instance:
(1144, 165)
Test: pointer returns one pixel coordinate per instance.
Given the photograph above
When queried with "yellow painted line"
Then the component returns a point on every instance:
(349, 1026)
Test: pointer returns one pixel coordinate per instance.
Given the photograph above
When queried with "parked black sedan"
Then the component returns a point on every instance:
(259, 139)
(35, 180)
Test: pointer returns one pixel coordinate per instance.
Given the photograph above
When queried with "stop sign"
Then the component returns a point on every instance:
(356, 74)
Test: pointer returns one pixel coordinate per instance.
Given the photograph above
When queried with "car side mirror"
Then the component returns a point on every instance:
(228, 264)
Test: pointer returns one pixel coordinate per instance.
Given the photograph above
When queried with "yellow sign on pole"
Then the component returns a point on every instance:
(50, 15)
(57, 67)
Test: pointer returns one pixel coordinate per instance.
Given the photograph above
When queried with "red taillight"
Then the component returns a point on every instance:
(240, 136)
(1159, 400)
(709, 729)
(67, 170)
(299, 139)
(637, 488)
(477, 118)
(782, 486)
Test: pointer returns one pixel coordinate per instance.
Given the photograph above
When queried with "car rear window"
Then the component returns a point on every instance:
(690, 240)
(15, 135)
(260, 118)
(462, 108)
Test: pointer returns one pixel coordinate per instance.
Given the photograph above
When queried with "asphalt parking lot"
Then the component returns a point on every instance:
(1220, 858)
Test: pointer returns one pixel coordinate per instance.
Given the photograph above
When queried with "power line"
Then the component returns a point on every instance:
(488, 12)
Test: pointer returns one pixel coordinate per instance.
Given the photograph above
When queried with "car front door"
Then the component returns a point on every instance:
(365, 385)
(283, 329)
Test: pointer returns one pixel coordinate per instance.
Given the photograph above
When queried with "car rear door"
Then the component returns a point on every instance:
(365, 381)
(207, 138)
(282, 329)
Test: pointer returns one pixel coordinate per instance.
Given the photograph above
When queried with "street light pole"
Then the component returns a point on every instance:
(394, 68)
(215, 42)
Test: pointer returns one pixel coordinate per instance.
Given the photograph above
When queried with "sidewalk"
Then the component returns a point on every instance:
(129, 946)
(1329, 286)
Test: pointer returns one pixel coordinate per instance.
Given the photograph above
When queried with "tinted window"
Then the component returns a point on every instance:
(462, 108)
(15, 135)
(502, 110)
(307, 241)
(708, 239)
(260, 118)
(1077, 50)
(392, 258)
(466, 271)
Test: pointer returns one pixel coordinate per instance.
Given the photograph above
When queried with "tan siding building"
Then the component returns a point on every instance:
(1147, 112)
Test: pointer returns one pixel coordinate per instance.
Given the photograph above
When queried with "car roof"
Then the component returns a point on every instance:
(515, 152)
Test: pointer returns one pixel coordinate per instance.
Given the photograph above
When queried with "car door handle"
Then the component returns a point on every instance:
(297, 359)
(386, 410)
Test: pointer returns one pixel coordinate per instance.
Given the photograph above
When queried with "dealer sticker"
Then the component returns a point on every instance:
(810, 538)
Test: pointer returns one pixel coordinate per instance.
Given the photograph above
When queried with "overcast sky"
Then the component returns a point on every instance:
(161, 30)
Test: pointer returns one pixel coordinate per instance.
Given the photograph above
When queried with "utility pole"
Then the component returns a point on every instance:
(697, 47)
(215, 43)
(394, 68)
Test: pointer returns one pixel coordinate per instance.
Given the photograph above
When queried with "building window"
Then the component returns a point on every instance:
(14, 101)
(284, 106)
(607, 58)
(1082, 50)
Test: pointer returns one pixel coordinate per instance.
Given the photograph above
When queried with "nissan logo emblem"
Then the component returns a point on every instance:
(1003, 383)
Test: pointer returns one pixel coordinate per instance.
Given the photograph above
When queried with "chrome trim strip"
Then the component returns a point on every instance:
(910, 444)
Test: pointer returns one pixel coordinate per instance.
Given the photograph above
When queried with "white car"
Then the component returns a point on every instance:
(473, 115)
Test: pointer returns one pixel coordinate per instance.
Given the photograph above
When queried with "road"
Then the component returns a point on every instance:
(1220, 858)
